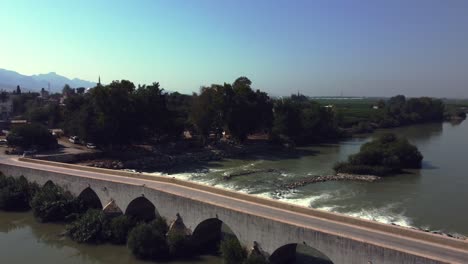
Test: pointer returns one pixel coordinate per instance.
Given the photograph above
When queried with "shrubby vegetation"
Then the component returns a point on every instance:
(401, 111)
(148, 114)
(235, 107)
(385, 155)
(120, 113)
(255, 259)
(31, 135)
(118, 228)
(89, 227)
(146, 241)
(15, 194)
(304, 121)
(53, 204)
(180, 244)
(232, 251)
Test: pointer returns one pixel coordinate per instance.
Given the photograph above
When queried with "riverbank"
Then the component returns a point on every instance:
(169, 158)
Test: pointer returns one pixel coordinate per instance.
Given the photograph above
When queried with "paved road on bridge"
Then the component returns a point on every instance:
(436, 251)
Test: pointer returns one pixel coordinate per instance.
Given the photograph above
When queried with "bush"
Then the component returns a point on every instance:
(385, 155)
(232, 251)
(256, 259)
(179, 245)
(89, 228)
(15, 194)
(146, 242)
(30, 135)
(160, 225)
(118, 228)
(53, 204)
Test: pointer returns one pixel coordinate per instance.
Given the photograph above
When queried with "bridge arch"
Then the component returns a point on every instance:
(142, 209)
(90, 199)
(298, 253)
(48, 184)
(209, 233)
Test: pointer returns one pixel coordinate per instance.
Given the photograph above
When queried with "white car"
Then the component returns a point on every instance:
(90, 145)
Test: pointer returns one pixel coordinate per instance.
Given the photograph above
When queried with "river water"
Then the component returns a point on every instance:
(24, 240)
(434, 197)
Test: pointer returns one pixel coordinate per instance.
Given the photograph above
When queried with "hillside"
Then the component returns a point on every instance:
(10, 79)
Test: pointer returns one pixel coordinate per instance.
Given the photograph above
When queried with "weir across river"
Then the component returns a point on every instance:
(272, 227)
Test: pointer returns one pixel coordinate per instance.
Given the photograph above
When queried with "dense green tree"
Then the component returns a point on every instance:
(88, 228)
(236, 108)
(53, 204)
(23, 102)
(80, 90)
(208, 109)
(180, 245)
(147, 242)
(256, 259)
(402, 111)
(232, 251)
(248, 111)
(118, 228)
(152, 112)
(385, 155)
(16, 193)
(67, 90)
(30, 135)
(304, 121)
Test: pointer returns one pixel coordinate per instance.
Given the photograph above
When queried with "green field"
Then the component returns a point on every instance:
(351, 111)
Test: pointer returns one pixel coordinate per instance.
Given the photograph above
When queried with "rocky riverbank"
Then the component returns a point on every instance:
(166, 159)
(337, 177)
(156, 162)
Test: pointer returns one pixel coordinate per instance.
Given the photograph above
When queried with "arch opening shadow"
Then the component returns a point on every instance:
(48, 184)
(208, 235)
(141, 209)
(89, 199)
(298, 254)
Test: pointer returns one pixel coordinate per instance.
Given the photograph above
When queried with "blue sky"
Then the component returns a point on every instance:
(365, 47)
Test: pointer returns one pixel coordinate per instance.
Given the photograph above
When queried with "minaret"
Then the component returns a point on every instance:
(99, 81)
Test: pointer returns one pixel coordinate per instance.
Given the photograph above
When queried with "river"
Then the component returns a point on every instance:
(24, 240)
(434, 197)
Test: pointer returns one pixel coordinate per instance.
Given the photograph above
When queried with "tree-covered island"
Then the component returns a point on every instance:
(383, 156)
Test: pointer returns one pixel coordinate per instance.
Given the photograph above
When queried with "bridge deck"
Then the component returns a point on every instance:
(438, 250)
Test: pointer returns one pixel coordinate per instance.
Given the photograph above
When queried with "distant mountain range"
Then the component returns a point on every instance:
(10, 79)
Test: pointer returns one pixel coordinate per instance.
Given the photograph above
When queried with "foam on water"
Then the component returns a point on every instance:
(308, 201)
(383, 215)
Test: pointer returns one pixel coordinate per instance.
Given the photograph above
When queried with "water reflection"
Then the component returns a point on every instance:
(45, 244)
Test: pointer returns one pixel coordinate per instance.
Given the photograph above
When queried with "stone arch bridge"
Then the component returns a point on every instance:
(270, 227)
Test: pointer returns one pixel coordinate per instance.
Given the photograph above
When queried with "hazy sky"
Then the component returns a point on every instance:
(372, 48)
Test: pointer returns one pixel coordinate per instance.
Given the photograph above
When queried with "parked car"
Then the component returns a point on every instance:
(90, 145)
(3, 141)
(74, 140)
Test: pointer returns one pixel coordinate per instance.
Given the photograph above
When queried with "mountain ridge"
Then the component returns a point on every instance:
(10, 79)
